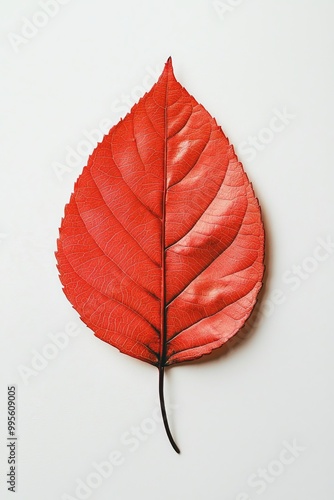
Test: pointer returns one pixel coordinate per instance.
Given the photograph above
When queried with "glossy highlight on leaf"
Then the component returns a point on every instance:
(161, 246)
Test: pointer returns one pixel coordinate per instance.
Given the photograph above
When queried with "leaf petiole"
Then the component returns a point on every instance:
(163, 408)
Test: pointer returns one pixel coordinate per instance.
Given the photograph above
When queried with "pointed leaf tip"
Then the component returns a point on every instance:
(168, 69)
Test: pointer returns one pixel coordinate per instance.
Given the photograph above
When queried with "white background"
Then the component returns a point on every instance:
(232, 414)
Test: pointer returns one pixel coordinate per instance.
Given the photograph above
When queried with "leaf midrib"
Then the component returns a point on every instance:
(163, 326)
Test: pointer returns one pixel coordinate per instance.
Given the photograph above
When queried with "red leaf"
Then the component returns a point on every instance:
(161, 247)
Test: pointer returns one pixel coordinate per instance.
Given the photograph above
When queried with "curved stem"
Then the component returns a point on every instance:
(163, 409)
